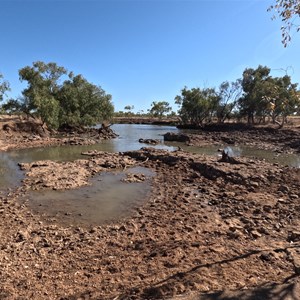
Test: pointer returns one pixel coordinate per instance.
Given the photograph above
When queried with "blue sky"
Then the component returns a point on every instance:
(147, 50)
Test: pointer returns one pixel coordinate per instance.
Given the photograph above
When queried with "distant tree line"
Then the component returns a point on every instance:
(58, 97)
(256, 97)
(61, 99)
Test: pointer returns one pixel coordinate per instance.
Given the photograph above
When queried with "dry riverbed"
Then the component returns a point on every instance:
(208, 230)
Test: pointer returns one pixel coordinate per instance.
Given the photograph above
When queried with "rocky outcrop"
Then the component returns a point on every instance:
(149, 141)
(175, 137)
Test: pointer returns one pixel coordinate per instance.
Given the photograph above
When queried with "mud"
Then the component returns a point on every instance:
(259, 137)
(207, 226)
(22, 133)
(210, 229)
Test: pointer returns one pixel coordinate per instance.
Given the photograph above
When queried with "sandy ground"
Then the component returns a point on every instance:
(209, 230)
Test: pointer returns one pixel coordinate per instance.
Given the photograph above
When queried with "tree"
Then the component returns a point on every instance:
(61, 99)
(284, 100)
(229, 93)
(129, 109)
(267, 96)
(83, 103)
(256, 86)
(158, 109)
(197, 105)
(42, 90)
(4, 87)
(288, 11)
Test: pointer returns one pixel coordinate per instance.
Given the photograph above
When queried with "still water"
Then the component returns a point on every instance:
(107, 197)
(129, 134)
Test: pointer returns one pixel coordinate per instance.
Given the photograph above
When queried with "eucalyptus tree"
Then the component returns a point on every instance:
(289, 13)
(83, 103)
(61, 99)
(265, 95)
(128, 109)
(4, 87)
(229, 93)
(44, 84)
(255, 84)
(284, 100)
(159, 108)
(197, 106)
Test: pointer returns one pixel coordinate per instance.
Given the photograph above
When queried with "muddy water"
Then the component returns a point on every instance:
(292, 160)
(10, 174)
(129, 134)
(107, 198)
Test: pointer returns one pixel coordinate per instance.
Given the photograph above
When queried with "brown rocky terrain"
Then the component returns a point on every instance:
(20, 132)
(208, 228)
(268, 138)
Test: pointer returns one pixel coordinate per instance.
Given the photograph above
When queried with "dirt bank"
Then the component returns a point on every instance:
(207, 226)
(17, 132)
(260, 137)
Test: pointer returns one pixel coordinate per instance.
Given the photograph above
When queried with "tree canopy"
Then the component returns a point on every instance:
(197, 105)
(4, 87)
(289, 13)
(265, 95)
(61, 99)
(159, 108)
(256, 96)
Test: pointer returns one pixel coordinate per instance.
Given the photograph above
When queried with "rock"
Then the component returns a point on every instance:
(284, 189)
(255, 234)
(21, 236)
(174, 137)
(130, 178)
(149, 141)
(254, 184)
(293, 236)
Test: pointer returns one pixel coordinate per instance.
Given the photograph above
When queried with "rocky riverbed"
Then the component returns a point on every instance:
(22, 133)
(207, 226)
(285, 140)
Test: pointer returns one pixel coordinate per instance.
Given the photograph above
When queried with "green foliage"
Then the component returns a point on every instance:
(265, 95)
(129, 109)
(12, 106)
(83, 103)
(158, 109)
(288, 11)
(197, 105)
(256, 85)
(62, 99)
(4, 87)
(284, 100)
(229, 93)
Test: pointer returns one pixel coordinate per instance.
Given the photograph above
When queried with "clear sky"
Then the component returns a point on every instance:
(145, 50)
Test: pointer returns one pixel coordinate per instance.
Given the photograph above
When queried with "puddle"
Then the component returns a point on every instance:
(10, 174)
(106, 199)
(292, 160)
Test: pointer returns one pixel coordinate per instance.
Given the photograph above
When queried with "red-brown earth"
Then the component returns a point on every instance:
(208, 230)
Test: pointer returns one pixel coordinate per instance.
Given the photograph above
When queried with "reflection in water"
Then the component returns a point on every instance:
(106, 199)
(128, 140)
(129, 134)
(10, 174)
(228, 150)
(292, 160)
